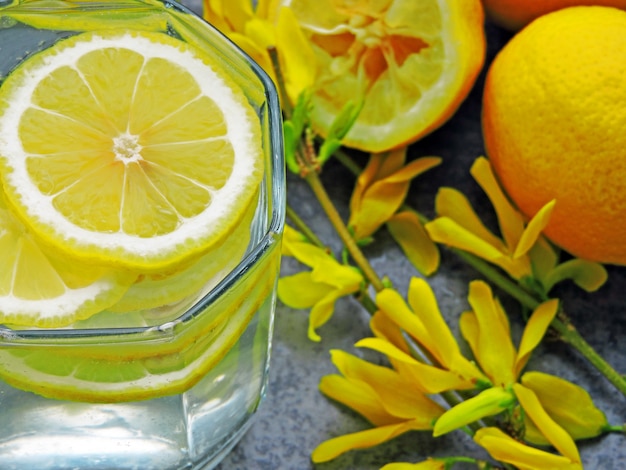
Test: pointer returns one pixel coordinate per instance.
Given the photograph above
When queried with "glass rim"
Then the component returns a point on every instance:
(275, 227)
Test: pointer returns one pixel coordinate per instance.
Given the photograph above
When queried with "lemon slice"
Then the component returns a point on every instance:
(128, 149)
(38, 289)
(155, 363)
(153, 291)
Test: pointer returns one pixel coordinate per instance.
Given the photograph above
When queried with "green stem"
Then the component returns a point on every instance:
(570, 335)
(348, 162)
(302, 226)
(367, 302)
(615, 428)
(312, 178)
(496, 278)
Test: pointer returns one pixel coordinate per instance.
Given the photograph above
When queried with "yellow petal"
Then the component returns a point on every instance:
(487, 403)
(395, 394)
(299, 291)
(454, 205)
(396, 309)
(309, 255)
(407, 230)
(238, 13)
(213, 12)
(267, 9)
(568, 404)
(510, 220)
(496, 353)
(261, 32)
(382, 188)
(358, 396)
(328, 271)
(291, 236)
(557, 436)
(449, 232)
(533, 229)
(427, 378)
(380, 201)
(322, 311)
(413, 169)
(422, 300)
(390, 162)
(382, 327)
(534, 332)
(468, 323)
(360, 440)
(430, 464)
(297, 59)
(506, 449)
(379, 166)
(363, 181)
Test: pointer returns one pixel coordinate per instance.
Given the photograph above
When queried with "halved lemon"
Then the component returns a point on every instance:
(128, 149)
(412, 63)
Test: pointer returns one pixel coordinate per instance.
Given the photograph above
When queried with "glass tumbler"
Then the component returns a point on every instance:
(201, 364)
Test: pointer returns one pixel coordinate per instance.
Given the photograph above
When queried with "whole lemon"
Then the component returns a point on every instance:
(554, 120)
(515, 14)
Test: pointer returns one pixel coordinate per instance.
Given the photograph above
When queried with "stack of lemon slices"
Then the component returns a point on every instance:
(130, 165)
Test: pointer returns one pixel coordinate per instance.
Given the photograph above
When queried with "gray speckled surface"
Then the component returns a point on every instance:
(295, 417)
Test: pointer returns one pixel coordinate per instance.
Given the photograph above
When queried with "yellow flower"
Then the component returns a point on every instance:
(319, 288)
(379, 192)
(506, 449)
(422, 321)
(486, 329)
(521, 252)
(258, 29)
(390, 401)
(567, 403)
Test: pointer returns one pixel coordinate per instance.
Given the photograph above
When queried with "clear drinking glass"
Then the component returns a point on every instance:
(214, 346)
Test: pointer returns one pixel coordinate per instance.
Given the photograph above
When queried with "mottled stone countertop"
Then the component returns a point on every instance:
(295, 417)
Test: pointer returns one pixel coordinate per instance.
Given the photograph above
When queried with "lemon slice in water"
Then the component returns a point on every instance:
(117, 369)
(128, 149)
(39, 289)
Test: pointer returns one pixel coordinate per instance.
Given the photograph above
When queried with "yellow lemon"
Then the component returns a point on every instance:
(553, 117)
(515, 14)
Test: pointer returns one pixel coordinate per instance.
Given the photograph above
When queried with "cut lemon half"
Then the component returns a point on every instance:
(129, 149)
(411, 63)
(38, 289)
